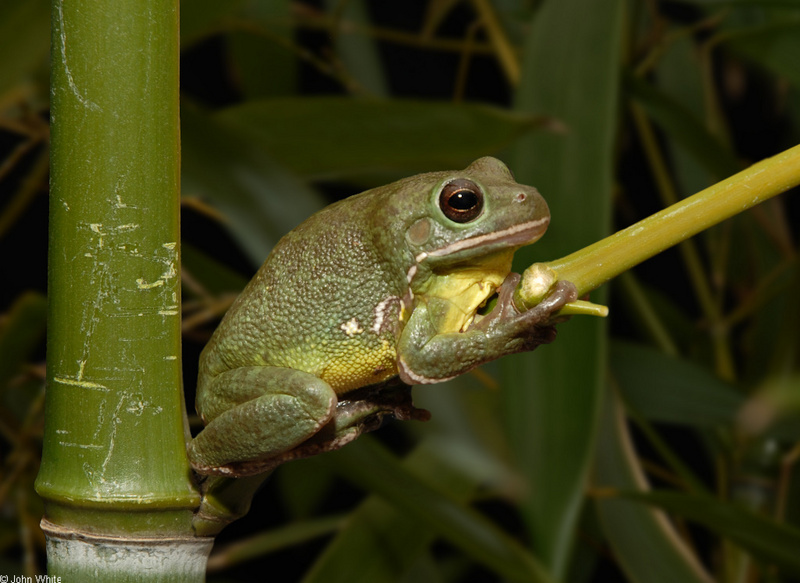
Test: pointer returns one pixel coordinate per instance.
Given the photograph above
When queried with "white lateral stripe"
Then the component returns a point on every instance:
(419, 378)
(413, 271)
(380, 312)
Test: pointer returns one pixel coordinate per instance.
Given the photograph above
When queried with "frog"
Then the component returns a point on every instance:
(401, 285)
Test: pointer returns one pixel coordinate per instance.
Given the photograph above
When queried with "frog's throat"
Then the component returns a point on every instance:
(516, 236)
(466, 288)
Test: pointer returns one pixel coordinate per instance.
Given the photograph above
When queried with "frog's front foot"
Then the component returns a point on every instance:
(523, 330)
(508, 317)
(562, 293)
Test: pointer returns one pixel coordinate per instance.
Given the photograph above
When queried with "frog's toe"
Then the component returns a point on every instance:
(563, 292)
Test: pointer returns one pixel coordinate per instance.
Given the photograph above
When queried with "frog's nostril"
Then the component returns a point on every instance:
(520, 197)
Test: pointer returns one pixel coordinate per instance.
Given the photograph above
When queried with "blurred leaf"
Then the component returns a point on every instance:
(771, 337)
(387, 541)
(435, 13)
(648, 321)
(260, 200)
(213, 275)
(681, 125)
(202, 18)
(27, 193)
(272, 540)
(777, 399)
(746, 4)
(264, 64)
(358, 52)
(772, 542)
(570, 71)
(671, 390)
(24, 39)
(786, 430)
(424, 569)
(368, 465)
(466, 429)
(680, 326)
(515, 16)
(342, 137)
(589, 547)
(304, 485)
(775, 46)
(21, 332)
(679, 74)
(644, 541)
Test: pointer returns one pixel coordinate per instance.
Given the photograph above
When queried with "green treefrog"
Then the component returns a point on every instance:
(375, 293)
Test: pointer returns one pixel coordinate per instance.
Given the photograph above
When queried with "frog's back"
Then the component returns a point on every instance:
(326, 301)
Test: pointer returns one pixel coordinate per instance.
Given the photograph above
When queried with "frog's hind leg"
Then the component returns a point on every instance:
(255, 414)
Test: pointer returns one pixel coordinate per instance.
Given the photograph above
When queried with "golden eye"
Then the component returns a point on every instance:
(461, 200)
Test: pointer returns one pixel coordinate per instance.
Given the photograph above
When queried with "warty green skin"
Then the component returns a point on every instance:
(357, 296)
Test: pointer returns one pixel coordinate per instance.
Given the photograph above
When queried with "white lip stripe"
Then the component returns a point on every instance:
(481, 239)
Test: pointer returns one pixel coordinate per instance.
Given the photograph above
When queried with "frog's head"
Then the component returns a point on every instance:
(462, 218)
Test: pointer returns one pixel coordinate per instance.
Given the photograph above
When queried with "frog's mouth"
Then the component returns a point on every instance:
(516, 236)
(468, 283)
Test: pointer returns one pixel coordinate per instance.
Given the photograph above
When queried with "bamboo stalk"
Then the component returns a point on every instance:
(115, 479)
(594, 265)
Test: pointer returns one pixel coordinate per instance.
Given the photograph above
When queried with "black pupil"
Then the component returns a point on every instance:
(463, 200)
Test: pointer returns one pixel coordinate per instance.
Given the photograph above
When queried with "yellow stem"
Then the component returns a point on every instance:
(595, 264)
(691, 256)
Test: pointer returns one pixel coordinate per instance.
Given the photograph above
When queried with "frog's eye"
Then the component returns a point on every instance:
(461, 200)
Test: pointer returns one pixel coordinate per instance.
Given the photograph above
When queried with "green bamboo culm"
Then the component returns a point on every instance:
(115, 479)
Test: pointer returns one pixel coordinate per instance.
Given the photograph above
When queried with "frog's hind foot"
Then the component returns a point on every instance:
(351, 418)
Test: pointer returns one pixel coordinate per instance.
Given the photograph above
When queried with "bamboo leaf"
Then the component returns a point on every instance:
(387, 540)
(358, 52)
(371, 467)
(683, 127)
(213, 275)
(303, 487)
(336, 137)
(771, 542)
(21, 330)
(679, 74)
(261, 200)
(436, 12)
(202, 18)
(775, 46)
(671, 390)
(467, 429)
(570, 71)
(250, 50)
(644, 542)
(24, 39)
(272, 540)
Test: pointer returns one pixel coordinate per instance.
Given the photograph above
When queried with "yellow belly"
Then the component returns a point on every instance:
(360, 366)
